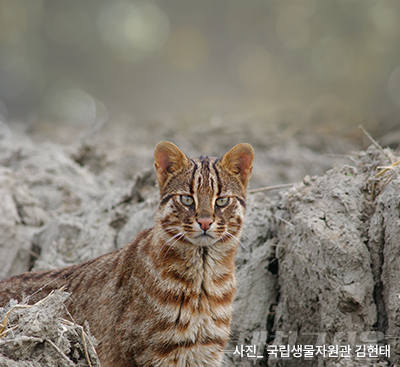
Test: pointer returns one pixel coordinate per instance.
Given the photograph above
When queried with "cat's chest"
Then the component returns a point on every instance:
(188, 289)
(206, 297)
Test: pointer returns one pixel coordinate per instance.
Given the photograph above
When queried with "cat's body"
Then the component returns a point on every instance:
(166, 298)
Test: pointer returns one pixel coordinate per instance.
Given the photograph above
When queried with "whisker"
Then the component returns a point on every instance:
(172, 245)
(240, 243)
(245, 235)
(171, 228)
(172, 238)
(245, 250)
(173, 231)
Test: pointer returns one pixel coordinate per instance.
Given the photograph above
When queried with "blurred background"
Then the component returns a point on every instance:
(331, 63)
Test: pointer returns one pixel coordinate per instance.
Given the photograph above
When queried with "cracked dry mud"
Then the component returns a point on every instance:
(319, 262)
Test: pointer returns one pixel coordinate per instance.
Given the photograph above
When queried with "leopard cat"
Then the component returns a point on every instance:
(166, 298)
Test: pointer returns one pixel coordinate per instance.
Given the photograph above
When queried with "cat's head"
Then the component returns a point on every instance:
(202, 200)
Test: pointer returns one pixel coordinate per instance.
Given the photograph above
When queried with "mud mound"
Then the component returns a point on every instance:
(38, 336)
(323, 269)
(318, 264)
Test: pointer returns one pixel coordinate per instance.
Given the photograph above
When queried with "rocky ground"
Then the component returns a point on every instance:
(318, 264)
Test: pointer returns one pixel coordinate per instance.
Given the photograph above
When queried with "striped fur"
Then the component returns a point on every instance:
(166, 298)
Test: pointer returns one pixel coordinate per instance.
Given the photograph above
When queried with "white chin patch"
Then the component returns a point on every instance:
(203, 240)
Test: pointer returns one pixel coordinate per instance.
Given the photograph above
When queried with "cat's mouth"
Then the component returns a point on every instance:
(204, 239)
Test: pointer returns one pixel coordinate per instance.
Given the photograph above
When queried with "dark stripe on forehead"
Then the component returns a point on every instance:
(205, 170)
(218, 178)
(192, 179)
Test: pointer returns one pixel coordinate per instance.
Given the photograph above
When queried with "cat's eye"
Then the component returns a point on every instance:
(222, 201)
(186, 200)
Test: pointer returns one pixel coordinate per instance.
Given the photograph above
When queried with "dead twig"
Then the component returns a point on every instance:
(387, 182)
(267, 188)
(386, 168)
(40, 289)
(61, 354)
(283, 220)
(84, 346)
(4, 333)
(4, 323)
(377, 145)
(83, 334)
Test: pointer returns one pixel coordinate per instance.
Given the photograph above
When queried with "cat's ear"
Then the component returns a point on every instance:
(239, 161)
(168, 159)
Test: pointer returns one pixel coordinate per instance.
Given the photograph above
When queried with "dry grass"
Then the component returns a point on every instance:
(6, 327)
(385, 174)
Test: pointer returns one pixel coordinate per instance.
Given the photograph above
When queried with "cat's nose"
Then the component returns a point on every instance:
(205, 223)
